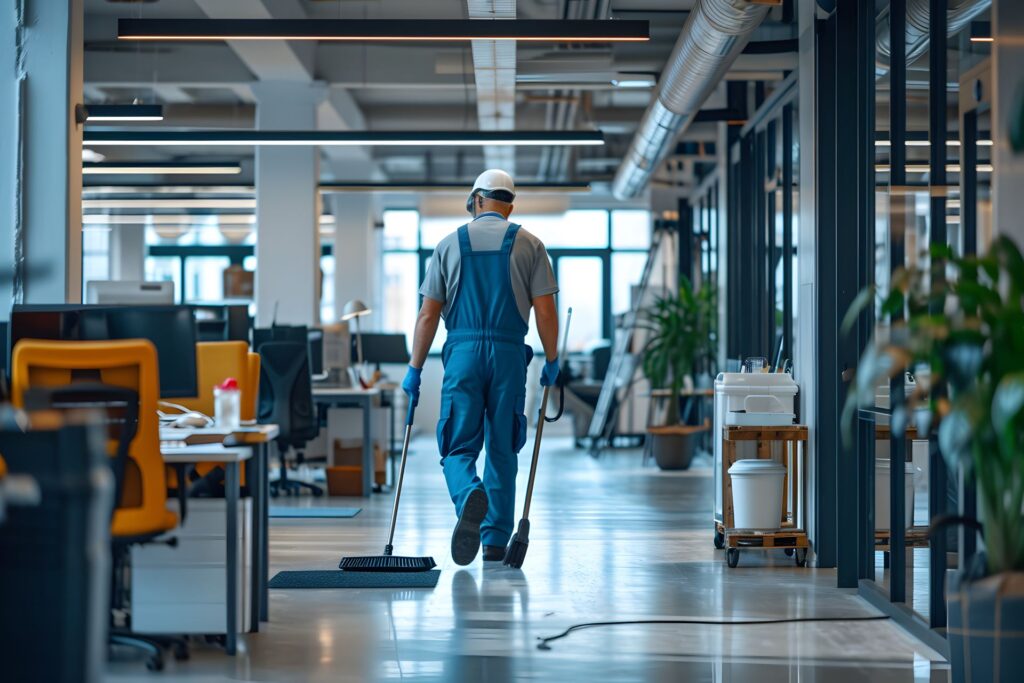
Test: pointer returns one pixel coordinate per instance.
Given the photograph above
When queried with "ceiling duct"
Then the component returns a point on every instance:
(959, 13)
(494, 70)
(714, 35)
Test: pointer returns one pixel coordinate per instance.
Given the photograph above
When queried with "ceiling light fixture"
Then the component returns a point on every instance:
(634, 81)
(179, 203)
(160, 168)
(539, 188)
(375, 30)
(925, 168)
(220, 138)
(981, 32)
(123, 112)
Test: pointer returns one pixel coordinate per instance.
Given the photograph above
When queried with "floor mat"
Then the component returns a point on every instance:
(337, 578)
(312, 512)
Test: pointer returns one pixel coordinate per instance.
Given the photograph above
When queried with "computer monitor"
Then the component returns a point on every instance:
(381, 347)
(172, 329)
(129, 292)
(315, 339)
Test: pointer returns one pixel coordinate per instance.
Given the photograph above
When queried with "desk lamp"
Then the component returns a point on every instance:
(356, 309)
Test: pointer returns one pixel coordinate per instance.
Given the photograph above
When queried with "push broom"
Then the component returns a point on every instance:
(388, 562)
(515, 554)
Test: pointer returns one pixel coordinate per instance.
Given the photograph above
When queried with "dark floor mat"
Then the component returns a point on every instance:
(337, 578)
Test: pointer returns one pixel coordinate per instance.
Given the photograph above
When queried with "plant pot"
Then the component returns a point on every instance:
(986, 628)
(673, 445)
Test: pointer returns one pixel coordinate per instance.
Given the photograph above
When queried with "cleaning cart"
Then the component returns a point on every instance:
(756, 439)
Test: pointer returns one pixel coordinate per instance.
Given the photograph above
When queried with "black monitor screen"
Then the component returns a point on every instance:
(172, 329)
(381, 348)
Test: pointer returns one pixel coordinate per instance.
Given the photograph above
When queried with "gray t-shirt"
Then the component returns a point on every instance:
(529, 264)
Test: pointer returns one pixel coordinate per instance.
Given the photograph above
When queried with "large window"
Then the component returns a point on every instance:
(598, 257)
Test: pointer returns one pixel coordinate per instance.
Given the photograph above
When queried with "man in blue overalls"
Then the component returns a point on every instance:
(483, 279)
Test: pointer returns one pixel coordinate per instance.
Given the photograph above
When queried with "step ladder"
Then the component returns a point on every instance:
(623, 364)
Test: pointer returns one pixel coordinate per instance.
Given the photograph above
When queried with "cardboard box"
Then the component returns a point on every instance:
(344, 481)
(352, 456)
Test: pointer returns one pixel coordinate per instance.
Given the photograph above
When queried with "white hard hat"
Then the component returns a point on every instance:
(494, 179)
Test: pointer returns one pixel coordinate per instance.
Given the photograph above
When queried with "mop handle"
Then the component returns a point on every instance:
(540, 424)
(401, 476)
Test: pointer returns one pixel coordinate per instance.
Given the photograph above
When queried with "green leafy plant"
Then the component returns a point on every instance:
(681, 335)
(968, 331)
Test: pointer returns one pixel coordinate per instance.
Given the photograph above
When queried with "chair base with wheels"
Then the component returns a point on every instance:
(292, 486)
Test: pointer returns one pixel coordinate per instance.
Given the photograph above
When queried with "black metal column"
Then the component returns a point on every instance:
(787, 231)
(898, 203)
(853, 259)
(937, 104)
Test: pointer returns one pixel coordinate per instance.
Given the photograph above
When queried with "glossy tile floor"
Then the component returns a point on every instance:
(611, 541)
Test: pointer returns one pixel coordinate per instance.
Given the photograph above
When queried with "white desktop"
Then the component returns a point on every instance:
(129, 292)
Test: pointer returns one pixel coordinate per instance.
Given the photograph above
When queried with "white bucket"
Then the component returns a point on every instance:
(882, 494)
(757, 493)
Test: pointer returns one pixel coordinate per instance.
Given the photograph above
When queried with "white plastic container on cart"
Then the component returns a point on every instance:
(759, 399)
(757, 494)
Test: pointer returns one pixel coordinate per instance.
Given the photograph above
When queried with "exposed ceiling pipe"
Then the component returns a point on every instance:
(959, 13)
(714, 35)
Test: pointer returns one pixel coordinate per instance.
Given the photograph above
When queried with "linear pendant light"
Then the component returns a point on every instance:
(373, 30)
(542, 188)
(160, 168)
(124, 112)
(220, 138)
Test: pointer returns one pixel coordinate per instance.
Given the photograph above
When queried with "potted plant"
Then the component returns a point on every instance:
(969, 333)
(680, 336)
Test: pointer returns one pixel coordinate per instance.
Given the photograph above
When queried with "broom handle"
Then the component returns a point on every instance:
(401, 477)
(540, 424)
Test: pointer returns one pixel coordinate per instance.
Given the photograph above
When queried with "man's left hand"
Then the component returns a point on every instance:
(549, 375)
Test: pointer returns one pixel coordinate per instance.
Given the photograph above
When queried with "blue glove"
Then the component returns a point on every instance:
(549, 375)
(411, 384)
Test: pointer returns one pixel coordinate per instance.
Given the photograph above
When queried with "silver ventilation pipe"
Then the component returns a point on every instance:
(714, 35)
(959, 13)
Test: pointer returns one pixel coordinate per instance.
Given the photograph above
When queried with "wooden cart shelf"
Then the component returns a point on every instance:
(789, 536)
(914, 537)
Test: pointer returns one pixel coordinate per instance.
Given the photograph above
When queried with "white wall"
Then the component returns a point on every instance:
(805, 342)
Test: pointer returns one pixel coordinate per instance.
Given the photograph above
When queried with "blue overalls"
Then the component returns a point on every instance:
(484, 392)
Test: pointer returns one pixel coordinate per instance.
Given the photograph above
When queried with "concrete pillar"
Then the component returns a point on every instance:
(356, 254)
(40, 152)
(127, 252)
(1007, 103)
(287, 207)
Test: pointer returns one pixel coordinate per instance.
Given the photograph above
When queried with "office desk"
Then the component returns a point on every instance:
(231, 458)
(258, 438)
(349, 397)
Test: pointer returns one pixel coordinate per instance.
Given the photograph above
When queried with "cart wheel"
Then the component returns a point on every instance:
(719, 540)
(732, 557)
(789, 552)
(801, 557)
(155, 663)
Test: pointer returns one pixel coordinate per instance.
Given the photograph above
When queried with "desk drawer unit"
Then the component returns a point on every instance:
(184, 589)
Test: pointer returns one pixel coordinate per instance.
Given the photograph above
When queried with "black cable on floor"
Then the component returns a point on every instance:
(543, 644)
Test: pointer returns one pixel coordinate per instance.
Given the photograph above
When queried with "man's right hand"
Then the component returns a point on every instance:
(411, 384)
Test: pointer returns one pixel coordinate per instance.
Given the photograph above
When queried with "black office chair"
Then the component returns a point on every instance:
(121, 408)
(286, 399)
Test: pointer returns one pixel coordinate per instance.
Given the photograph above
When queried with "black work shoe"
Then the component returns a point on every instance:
(466, 537)
(494, 553)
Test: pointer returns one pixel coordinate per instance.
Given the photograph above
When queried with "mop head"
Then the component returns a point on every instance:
(516, 553)
(386, 563)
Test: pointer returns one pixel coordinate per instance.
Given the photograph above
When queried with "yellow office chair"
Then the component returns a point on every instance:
(215, 362)
(140, 514)
(131, 363)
